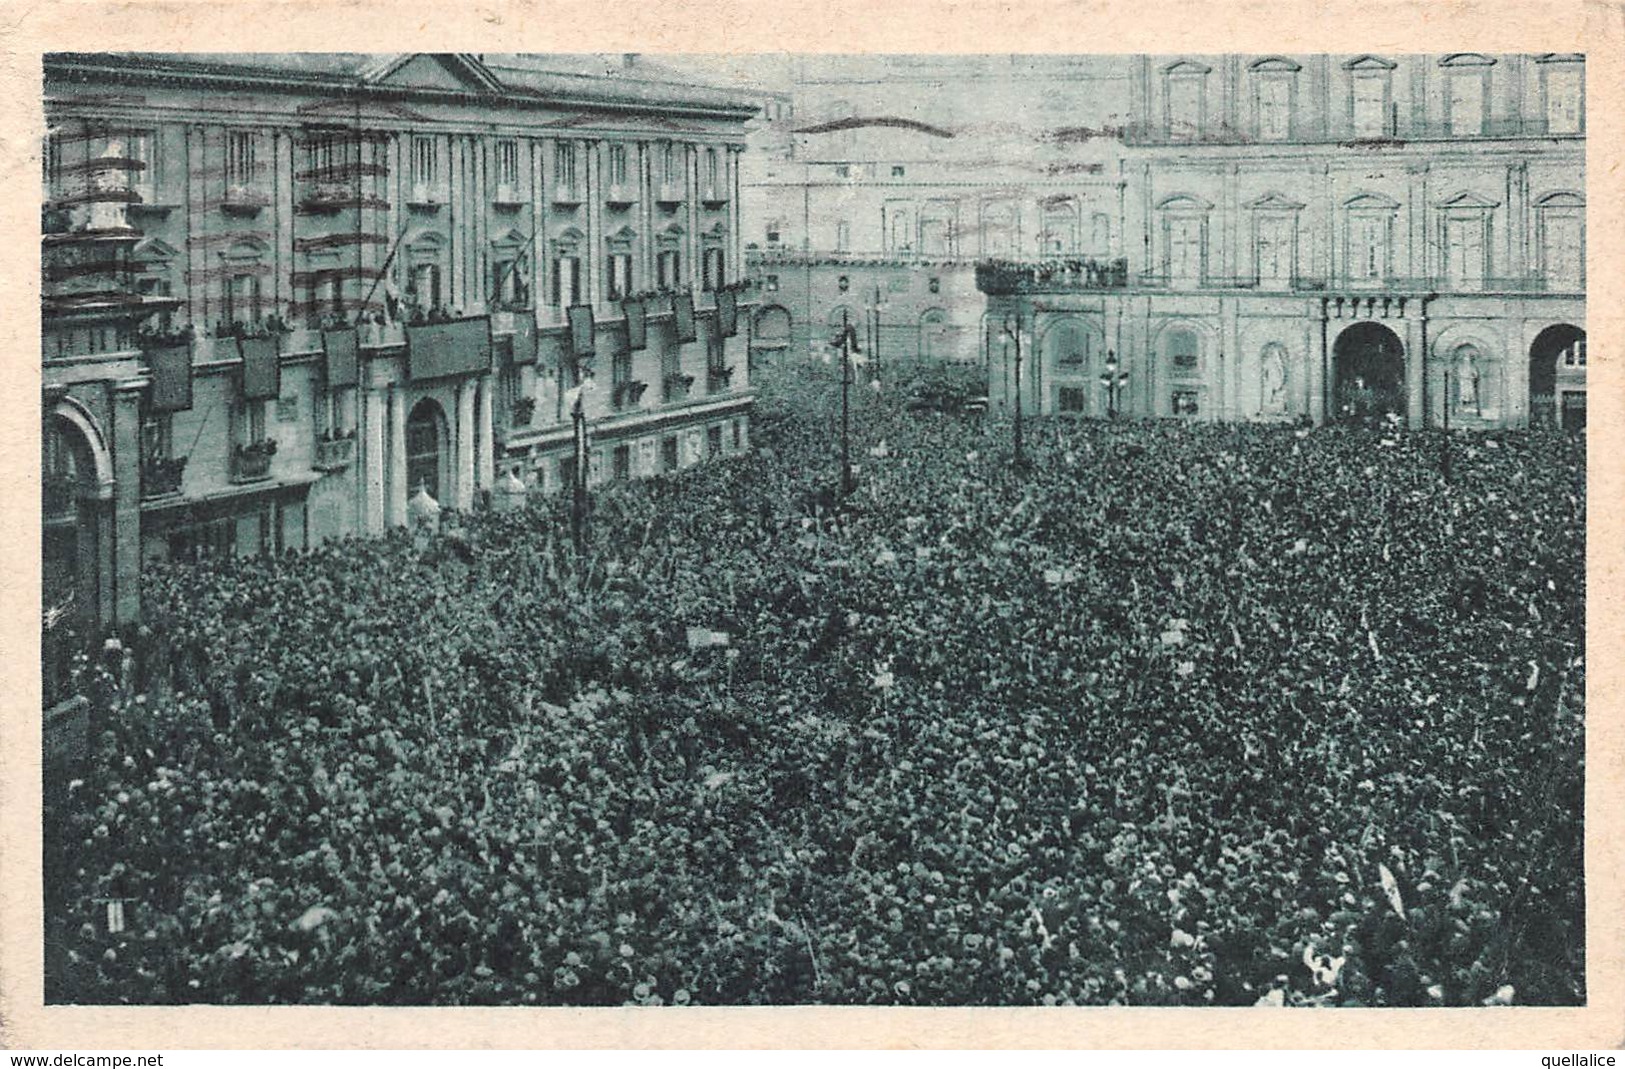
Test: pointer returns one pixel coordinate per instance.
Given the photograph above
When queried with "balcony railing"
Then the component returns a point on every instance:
(161, 475)
(245, 200)
(382, 335)
(334, 454)
(1050, 276)
(250, 463)
(627, 393)
(1395, 129)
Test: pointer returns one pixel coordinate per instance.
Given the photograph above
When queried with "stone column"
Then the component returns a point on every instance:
(1319, 362)
(464, 450)
(483, 460)
(373, 459)
(398, 491)
(1416, 367)
(126, 548)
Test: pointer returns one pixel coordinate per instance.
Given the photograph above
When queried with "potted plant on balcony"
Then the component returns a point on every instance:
(718, 377)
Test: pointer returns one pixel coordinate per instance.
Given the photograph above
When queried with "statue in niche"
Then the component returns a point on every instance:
(1273, 376)
(1467, 374)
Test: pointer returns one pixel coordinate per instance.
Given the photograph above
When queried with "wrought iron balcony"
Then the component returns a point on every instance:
(334, 454)
(1004, 278)
(161, 475)
(250, 463)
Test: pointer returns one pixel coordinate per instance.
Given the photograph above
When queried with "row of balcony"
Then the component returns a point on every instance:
(1004, 279)
(1393, 130)
(325, 196)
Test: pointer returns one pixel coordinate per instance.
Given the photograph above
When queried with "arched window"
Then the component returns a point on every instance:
(934, 334)
(999, 233)
(1185, 100)
(936, 229)
(1274, 88)
(1067, 346)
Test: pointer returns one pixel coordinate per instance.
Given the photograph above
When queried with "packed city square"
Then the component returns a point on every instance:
(1171, 715)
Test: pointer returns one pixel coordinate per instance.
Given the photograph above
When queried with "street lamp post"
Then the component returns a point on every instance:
(1113, 380)
(1012, 330)
(847, 341)
(578, 499)
(874, 310)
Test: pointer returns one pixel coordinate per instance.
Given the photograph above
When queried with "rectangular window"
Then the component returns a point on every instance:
(239, 158)
(1563, 248)
(1370, 106)
(1564, 84)
(508, 165)
(426, 286)
(251, 422)
(1274, 108)
(668, 165)
(843, 171)
(1274, 249)
(243, 299)
(1073, 399)
(668, 269)
(843, 236)
(1185, 402)
(1368, 246)
(668, 453)
(772, 284)
(623, 462)
(1467, 104)
(712, 274)
(53, 165)
(1184, 248)
(773, 231)
(713, 171)
(713, 441)
(144, 180)
(620, 275)
(425, 165)
(617, 165)
(157, 437)
(564, 165)
(1184, 108)
(1464, 250)
(897, 172)
(620, 369)
(320, 157)
(566, 281)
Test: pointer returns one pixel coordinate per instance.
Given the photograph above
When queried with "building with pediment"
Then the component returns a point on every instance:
(1315, 236)
(872, 193)
(282, 293)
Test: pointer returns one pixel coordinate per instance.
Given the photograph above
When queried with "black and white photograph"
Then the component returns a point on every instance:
(567, 529)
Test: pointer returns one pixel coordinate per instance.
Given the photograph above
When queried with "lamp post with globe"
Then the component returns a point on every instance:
(1113, 379)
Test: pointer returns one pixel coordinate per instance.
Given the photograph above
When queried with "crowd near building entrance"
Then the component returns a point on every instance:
(1369, 372)
(1557, 370)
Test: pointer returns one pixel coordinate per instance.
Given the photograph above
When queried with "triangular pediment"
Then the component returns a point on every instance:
(1275, 202)
(440, 70)
(1467, 200)
(1369, 63)
(510, 236)
(154, 249)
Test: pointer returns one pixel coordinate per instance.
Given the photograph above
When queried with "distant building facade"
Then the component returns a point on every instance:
(862, 205)
(1314, 236)
(282, 293)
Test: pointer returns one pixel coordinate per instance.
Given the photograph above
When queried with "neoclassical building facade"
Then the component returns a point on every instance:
(1313, 236)
(283, 293)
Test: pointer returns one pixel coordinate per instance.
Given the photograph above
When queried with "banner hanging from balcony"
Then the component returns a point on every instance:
(171, 369)
(460, 347)
(262, 373)
(683, 306)
(728, 313)
(637, 323)
(581, 330)
(524, 338)
(342, 369)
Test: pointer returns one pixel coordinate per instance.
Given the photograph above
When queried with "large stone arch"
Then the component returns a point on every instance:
(1368, 371)
(1169, 375)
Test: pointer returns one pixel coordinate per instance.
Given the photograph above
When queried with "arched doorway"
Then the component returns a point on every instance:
(426, 450)
(1369, 372)
(1557, 377)
(70, 545)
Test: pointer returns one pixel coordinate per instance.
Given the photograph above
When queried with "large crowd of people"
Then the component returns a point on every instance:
(1173, 713)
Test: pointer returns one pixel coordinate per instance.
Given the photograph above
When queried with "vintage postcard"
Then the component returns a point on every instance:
(960, 534)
